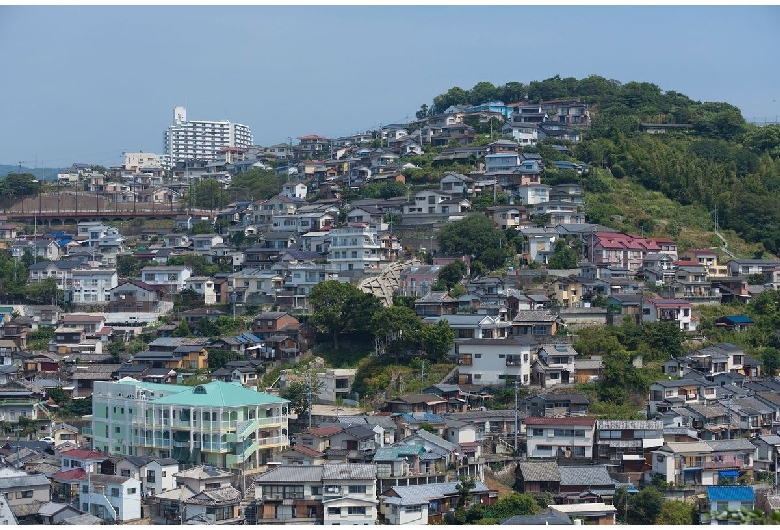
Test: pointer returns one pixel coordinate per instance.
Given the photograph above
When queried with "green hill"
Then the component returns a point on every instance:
(715, 161)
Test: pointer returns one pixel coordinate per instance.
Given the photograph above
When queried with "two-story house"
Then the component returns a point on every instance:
(495, 361)
(669, 310)
(560, 438)
(627, 443)
(92, 286)
(172, 277)
(704, 462)
(554, 365)
(136, 296)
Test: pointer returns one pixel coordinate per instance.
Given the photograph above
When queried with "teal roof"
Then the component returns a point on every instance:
(218, 394)
(394, 453)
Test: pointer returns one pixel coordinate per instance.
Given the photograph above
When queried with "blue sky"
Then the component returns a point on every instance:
(86, 83)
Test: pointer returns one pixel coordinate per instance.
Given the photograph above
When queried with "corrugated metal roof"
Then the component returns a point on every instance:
(731, 493)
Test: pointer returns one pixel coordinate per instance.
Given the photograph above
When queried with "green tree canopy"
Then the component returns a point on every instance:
(339, 308)
(452, 273)
(437, 340)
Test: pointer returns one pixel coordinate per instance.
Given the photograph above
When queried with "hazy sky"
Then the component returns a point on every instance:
(86, 83)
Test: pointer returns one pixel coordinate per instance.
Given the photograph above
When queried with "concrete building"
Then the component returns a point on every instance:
(354, 248)
(196, 139)
(217, 423)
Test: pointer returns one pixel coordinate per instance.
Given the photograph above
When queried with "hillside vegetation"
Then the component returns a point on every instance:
(718, 162)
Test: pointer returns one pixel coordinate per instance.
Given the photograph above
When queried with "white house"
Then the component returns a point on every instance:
(155, 474)
(113, 499)
(205, 242)
(204, 286)
(173, 277)
(501, 162)
(533, 193)
(669, 310)
(560, 437)
(496, 361)
(295, 189)
(92, 286)
(349, 494)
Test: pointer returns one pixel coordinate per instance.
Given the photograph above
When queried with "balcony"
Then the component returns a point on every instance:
(512, 362)
(464, 361)
(734, 464)
(86, 431)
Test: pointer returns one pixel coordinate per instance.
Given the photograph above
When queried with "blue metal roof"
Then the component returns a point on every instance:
(739, 319)
(731, 493)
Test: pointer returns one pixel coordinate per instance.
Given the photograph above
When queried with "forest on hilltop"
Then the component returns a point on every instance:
(720, 163)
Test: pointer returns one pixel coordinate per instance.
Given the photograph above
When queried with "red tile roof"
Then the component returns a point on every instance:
(83, 454)
(324, 431)
(538, 420)
(70, 475)
(306, 450)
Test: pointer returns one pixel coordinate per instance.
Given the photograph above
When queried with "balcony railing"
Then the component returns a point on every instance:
(510, 362)
(726, 465)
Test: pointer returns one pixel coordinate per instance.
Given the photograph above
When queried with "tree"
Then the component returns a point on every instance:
(42, 292)
(183, 330)
(452, 273)
(19, 185)
(219, 358)
(297, 392)
(511, 505)
(437, 340)
(770, 361)
(340, 308)
(128, 266)
(202, 227)
(397, 326)
(677, 513)
(465, 484)
(188, 299)
(471, 236)
(563, 256)
(644, 507)
(665, 339)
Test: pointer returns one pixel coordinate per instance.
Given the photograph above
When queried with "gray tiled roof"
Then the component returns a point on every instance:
(290, 473)
(23, 481)
(539, 471)
(423, 493)
(226, 495)
(584, 475)
(740, 444)
(349, 472)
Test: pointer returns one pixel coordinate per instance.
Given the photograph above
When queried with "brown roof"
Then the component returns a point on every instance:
(536, 420)
(324, 431)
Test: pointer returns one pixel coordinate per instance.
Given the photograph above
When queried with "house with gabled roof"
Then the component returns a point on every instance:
(724, 499)
(538, 477)
(427, 503)
(704, 462)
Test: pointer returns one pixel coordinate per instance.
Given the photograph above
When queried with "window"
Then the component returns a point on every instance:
(334, 511)
(131, 491)
(150, 476)
(124, 473)
(316, 490)
(27, 494)
(115, 492)
(356, 510)
(116, 430)
(357, 489)
(537, 432)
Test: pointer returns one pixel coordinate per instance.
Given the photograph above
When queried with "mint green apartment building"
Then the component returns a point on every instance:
(220, 424)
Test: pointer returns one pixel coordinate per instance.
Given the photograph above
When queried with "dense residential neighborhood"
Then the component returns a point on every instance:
(182, 351)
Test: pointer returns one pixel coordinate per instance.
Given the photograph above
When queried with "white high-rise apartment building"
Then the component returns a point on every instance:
(187, 140)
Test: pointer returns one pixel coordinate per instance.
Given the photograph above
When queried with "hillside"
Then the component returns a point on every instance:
(710, 159)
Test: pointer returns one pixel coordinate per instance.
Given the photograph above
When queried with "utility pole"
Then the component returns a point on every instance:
(729, 407)
(308, 393)
(516, 418)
